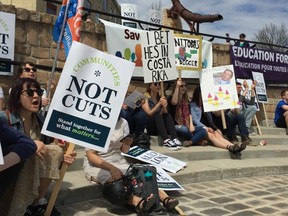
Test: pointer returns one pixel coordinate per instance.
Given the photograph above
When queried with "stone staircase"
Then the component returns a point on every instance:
(206, 163)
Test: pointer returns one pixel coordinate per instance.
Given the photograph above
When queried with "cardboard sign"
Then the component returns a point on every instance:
(168, 163)
(7, 42)
(158, 56)
(260, 87)
(188, 52)
(88, 98)
(165, 181)
(134, 99)
(218, 88)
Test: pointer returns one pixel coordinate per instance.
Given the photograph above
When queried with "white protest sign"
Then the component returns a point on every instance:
(7, 42)
(218, 88)
(127, 45)
(165, 181)
(158, 56)
(88, 98)
(1, 155)
(248, 95)
(168, 163)
(260, 87)
(188, 52)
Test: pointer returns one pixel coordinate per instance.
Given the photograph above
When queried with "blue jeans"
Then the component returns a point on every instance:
(136, 119)
(249, 112)
(233, 121)
(199, 134)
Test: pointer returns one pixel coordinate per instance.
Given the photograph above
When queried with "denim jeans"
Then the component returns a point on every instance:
(249, 112)
(199, 134)
(233, 121)
(136, 119)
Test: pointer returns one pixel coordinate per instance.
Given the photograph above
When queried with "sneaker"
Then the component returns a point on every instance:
(170, 144)
(251, 133)
(177, 143)
(247, 141)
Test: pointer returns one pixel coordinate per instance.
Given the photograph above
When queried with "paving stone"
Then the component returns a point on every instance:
(259, 193)
(247, 213)
(236, 206)
(215, 211)
(267, 210)
(222, 200)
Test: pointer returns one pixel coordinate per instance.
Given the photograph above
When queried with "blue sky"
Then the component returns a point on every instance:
(247, 16)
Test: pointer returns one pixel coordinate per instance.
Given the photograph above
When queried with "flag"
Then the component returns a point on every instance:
(72, 26)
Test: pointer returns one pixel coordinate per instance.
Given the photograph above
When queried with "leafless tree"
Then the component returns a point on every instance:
(273, 34)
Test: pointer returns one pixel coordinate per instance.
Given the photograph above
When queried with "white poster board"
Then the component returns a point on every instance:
(7, 42)
(165, 181)
(188, 52)
(88, 98)
(168, 163)
(129, 11)
(158, 56)
(218, 88)
(260, 87)
(127, 45)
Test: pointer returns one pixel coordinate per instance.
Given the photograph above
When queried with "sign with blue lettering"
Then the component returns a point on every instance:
(88, 98)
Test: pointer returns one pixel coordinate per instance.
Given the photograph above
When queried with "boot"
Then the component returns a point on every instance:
(233, 139)
(245, 139)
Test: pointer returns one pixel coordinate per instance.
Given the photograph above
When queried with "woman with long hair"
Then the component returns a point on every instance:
(214, 134)
(160, 122)
(180, 110)
(38, 171)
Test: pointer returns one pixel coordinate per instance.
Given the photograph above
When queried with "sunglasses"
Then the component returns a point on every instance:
(182, 85)
(156, 84)
(30, 92)
(26, 69)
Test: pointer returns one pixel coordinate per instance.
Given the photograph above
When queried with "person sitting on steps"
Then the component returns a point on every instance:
(281, 112)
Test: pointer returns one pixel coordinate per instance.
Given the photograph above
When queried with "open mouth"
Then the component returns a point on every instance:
(35, 102)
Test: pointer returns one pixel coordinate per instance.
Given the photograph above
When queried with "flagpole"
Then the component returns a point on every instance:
(56, 54)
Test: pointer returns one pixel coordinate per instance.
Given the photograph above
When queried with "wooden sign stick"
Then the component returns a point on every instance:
(177, 208)
(258, 126)
(223, 119)
(265, 114)
(58, 183)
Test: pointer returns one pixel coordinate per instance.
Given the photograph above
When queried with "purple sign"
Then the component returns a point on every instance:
(273, 65)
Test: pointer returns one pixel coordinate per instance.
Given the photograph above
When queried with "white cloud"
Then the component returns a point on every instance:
(247, 16)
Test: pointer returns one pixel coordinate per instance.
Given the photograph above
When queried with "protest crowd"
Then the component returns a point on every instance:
(172, 110)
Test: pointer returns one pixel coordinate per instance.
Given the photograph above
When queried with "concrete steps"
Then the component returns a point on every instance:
(203, 164)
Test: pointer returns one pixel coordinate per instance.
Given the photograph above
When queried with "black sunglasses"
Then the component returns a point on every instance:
(26, 69)
(155, 84)
(182, 85)
(30, 92)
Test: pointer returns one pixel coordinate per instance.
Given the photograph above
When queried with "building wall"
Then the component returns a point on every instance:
(33, 42)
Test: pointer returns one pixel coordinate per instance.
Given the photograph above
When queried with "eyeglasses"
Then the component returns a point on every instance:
(30, 92)
(26, 69)
(182, 85)
(156, 84)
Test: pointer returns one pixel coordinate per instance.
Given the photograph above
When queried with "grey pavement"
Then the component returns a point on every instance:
(249, 196)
